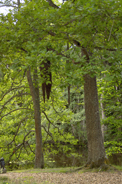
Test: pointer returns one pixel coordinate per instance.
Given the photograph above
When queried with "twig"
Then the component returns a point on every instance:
(52, 4)
(111, 31)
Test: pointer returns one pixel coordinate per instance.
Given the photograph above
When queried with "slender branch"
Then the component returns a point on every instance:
(11, 89)
(14, 151)
(19, 146)
(31, 148)
(57, 53)
(11, 99)
(25, 149)
(17, 129)
(7, 5)
(20, 152)
(14, 111)
(51, 122)
(47, 132)
(23, 49)
(52, 4)
(109, 49)
(77, 43)
(27, 135)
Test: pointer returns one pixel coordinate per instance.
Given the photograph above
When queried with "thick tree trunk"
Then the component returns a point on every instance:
(96, 151)
(34, 89)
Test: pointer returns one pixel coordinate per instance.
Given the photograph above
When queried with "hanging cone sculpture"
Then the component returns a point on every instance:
(47, 78)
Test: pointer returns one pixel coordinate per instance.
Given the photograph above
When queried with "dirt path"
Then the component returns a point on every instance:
(62, 178)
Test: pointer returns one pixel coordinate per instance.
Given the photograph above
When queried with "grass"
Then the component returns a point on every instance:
(62, 170)
(111, 168)
(24, 180)
(4, 180)
(47, 170)
(30, 179)
(118, 167)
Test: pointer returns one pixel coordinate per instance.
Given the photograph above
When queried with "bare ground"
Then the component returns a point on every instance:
(63, 178)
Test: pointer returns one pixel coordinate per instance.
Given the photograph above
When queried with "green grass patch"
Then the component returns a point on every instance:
(65, 170)
(46, 170)
(4, 180)
(31, 180)
(118, 167)
(111, 168)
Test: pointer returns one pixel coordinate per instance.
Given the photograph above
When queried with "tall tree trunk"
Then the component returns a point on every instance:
(34, 89)
(96, 151)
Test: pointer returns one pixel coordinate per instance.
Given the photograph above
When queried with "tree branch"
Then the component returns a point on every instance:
(20, 145)
(47, 132)
(11, 99)
(52, 4)
(17, 129)
(14, 111)
(11, 89)
(51, 122)
(7, 6)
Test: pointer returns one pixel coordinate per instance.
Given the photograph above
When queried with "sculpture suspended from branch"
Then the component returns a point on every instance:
(47, 79)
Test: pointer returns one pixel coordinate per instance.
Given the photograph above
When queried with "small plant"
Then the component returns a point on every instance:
(4, 180)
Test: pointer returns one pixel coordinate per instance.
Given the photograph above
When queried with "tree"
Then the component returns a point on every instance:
(34, 89)
(96, 151)
(78, 23)
(99, 159)
(85, 35)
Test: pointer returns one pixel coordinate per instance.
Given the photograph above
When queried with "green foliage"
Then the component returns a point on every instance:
(110, 89)
(113, 147)
(37, 33)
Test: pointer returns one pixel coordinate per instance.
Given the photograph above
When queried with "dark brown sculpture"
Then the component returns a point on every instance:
(47, 79)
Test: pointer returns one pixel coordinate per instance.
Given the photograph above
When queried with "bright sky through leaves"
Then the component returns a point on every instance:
(6, 9)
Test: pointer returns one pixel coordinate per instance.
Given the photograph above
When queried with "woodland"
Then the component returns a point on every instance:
(61, 83)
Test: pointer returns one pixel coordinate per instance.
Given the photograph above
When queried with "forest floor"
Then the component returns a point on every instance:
(55, 177)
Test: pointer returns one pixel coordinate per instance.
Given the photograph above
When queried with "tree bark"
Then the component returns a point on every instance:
(96, 151)
(34, 89)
